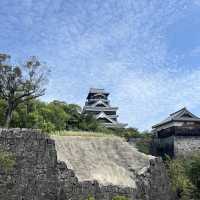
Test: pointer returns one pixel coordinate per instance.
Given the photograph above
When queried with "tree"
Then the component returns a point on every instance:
(19, 84)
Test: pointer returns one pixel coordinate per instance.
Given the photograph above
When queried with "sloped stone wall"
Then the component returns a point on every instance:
(37, 175)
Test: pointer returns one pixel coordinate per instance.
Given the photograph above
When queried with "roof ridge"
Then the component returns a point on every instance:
(184, 108)
(98, 90)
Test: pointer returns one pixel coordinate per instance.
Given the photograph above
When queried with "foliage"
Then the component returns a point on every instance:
(50, 117)
(82, 133)
(2, 112)
(144, 144)
(19, 84)
(126, 132)
(183, 177)
(90, 198)
(120, 198)
(7, 160)
(192, 166)
(143, 140)
(58, 116)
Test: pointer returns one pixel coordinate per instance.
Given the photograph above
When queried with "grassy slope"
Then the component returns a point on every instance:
(81, 133)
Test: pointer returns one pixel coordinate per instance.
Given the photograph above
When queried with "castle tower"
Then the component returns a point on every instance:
(98, 105)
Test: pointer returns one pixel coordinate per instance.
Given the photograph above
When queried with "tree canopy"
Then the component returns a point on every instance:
(20, 84)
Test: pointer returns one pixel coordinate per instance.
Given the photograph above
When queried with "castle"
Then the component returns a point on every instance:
(98, 105)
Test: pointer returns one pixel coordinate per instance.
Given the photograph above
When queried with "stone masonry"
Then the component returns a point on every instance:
(37, 175)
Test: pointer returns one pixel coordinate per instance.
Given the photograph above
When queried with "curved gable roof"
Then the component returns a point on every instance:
(181, 115)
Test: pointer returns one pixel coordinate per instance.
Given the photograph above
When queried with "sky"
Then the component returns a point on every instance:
(146, 53)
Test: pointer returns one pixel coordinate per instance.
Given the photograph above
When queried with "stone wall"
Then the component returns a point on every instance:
(37, 175)
(176, 145)
(184, 145)
(34, 175)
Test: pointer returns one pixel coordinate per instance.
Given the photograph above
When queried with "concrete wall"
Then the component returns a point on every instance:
(38, 175)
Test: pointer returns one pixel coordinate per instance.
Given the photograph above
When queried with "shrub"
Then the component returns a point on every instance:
(192, 166)
(90, 198)
(120, 198)
(7, 160)
(180, 182)
(144, 145)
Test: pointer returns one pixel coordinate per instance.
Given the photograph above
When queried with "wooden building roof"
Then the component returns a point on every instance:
(182, 115)
(97, 91)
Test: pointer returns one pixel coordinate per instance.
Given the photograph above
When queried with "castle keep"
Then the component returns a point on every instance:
(179, 134)
(98, 105)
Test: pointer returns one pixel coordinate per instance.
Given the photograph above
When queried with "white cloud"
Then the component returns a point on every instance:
(119, 45)
(146, 98)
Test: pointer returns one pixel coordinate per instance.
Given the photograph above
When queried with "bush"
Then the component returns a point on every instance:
(180, 182)
(120, 198)
(90, 198)
(7, 160)
(192, 166)
(144, 145)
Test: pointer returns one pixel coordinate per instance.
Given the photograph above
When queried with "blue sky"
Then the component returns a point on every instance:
(145, 52)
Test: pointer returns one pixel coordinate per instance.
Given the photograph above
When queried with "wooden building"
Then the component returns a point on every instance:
(98, 105)
(177, 134)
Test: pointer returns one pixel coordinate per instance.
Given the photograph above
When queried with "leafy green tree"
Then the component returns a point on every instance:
(57, 116)
(19, 84)
(89, 123)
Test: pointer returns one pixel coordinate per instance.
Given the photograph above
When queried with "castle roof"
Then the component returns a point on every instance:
(97, 90)
(98, 105)
(181, 115)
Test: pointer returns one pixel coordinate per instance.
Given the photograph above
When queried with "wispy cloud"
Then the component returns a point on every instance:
(119, 45)
(197, 2)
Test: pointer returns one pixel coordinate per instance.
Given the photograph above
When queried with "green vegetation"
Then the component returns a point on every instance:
(19, 84)
(144, 143)
(59, 118)
(184, 174)
(120, 198)
(7, 160)
(115, 198)
(82, 133)
(54, 116)
(90, 198)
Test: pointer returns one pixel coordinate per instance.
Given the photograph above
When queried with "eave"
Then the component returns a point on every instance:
(90, 108)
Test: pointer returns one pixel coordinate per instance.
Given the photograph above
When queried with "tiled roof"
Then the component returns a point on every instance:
(178, 116)
(97, 90)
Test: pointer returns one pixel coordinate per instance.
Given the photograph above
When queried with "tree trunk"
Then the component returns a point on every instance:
(8, 115)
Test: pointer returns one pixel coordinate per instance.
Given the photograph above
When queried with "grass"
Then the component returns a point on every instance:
(81, 133)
